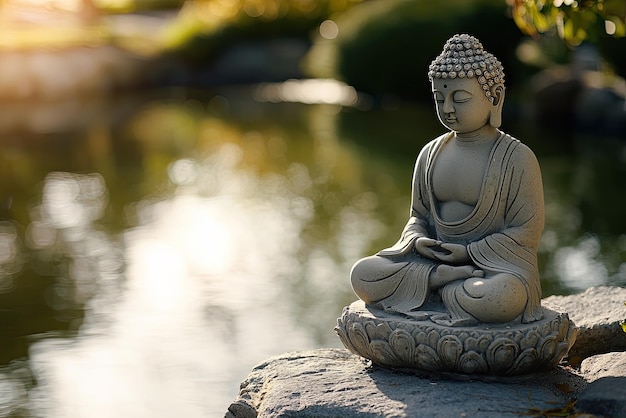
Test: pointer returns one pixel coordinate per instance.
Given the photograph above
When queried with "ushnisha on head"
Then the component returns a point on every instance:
(463, 56)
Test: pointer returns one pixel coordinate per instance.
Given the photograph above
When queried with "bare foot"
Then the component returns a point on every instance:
(445, 274)
(447, 321)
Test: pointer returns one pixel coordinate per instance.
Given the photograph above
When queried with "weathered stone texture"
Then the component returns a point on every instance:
(597, 313)
(494, 349)
(335, 383)
(606, 394)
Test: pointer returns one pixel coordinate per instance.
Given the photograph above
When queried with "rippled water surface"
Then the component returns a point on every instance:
(153, 250)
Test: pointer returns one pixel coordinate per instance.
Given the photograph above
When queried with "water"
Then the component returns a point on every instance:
(154, 249)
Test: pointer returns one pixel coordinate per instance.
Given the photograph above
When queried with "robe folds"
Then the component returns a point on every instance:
(501, 233)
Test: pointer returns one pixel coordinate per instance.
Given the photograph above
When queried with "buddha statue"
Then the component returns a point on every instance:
(477, 210)
(459, 291)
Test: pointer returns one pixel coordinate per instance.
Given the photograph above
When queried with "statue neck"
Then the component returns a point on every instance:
(480, 136)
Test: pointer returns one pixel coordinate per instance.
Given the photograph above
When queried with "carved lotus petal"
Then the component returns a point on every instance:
(383, 353)
(359, 339)
(421, 338)
(402, 344)
(526, 362)
(563, 329)
(501, 354)
(475, 334)
(472, 362)
(370, 329)
(427, 358)
(449, 350)
(483, 343)
(343, 336)
(548, 347)
(530, 340)
(433, 338)
(381, 332)
(341, 325)
(561, 351)
(471, 344)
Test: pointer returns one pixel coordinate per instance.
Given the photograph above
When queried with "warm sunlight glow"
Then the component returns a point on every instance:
(158, 273)
(312, 91)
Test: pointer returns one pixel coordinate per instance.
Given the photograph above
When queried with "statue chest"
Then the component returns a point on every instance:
(458, 173)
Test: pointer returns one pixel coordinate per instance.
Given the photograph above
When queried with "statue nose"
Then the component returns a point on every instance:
(448, 107)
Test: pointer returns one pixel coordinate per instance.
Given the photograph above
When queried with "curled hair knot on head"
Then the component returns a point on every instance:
(463, 56)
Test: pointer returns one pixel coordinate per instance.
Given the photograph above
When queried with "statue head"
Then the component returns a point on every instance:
(463, 58)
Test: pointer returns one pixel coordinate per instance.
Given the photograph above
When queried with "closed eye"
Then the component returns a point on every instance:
(462, 96)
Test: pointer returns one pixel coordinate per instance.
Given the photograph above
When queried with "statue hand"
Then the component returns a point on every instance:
(426, 247)
(441, 251)
(453, 253)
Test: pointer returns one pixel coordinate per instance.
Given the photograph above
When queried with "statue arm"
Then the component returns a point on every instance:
(525, 211)
(418, 224)
(523, 220)
(513, 248)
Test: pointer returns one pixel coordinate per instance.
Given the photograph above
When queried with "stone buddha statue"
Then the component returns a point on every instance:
(477, 209)
(460, 289)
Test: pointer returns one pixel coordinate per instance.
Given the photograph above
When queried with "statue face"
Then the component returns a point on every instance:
(461, 104)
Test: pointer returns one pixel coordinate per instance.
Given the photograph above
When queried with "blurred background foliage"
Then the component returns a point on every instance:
(383, 47)
(601, 22)
(574, 21)
(205, 27)
(379, 47)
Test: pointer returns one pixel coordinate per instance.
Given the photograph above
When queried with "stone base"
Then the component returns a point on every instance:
(498, 349)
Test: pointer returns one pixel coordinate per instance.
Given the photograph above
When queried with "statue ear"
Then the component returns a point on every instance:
(495, 118)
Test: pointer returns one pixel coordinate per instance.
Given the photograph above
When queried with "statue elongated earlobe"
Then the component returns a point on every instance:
(495, 117)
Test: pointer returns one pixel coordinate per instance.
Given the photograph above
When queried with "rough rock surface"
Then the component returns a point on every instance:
(597, 313)
(328, 383)
(335, 383)
(606, 394)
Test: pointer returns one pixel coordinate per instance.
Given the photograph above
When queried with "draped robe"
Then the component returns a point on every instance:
(501, 234)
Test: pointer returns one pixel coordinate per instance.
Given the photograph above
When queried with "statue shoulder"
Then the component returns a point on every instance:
(432, 146)
(521, 153)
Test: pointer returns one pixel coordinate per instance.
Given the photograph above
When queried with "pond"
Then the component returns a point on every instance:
(154, 248)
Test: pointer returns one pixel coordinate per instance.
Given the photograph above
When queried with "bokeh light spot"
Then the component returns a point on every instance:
(329, 29)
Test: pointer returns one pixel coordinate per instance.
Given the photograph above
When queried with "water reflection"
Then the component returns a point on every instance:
(194, 303)
(308, 91)
(11, 257)
(68, 244)
(216, 232)
(578, 266)
(210, 289)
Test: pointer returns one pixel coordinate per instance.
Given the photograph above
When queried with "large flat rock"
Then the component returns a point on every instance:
(335, 383)
(597, 313)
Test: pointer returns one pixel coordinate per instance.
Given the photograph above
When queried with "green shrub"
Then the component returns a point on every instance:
(386, 46)
(613, 50)
(200, 35)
